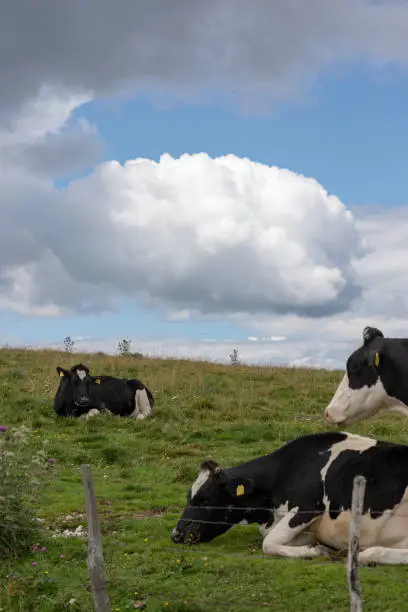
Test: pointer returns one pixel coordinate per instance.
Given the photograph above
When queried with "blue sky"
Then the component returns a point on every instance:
(346, 127)
(348, 132)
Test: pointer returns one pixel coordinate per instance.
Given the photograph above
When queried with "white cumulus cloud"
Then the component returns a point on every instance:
(211, 236)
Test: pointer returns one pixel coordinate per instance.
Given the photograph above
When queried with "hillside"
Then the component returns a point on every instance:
(142, 471)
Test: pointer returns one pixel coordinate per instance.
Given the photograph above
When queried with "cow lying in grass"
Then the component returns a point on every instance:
(81, 395)
(300, 496)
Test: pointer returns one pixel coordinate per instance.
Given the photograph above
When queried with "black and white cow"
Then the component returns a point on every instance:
(300, 496)
(376, 380)
(81, 395)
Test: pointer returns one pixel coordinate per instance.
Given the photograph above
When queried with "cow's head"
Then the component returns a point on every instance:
(78, 383)
(361, 393)
(215, 503)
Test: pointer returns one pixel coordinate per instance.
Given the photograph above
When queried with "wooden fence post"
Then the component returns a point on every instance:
(95, 554)
(357, 502)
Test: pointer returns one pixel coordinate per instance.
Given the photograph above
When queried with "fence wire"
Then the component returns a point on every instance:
(105, 502)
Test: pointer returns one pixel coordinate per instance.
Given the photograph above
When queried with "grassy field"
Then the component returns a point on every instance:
(142, 471)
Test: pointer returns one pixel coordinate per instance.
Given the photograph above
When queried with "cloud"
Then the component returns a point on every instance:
(190, 235)
(383, 302)
(69, 152)
(42, 274)
(43, 114)
(46, 139)
(260, 50)
(302, 341)
(384, 269)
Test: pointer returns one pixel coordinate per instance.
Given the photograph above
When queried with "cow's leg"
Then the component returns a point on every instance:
(143, 408)
(282, 534)
(386, 556)
(144, 403)
(91, 413)
(104, 408)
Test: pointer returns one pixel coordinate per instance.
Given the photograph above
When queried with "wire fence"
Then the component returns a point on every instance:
(106, 505)
(106, 515)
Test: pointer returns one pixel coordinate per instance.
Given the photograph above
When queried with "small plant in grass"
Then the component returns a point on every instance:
(22, 478)
(124, 347)
(234, 357)
(69, 344)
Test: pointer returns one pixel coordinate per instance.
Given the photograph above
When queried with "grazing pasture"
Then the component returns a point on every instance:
(142, 471)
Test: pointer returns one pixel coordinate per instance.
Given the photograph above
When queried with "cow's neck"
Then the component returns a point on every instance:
(394, 375)
(395, 383)
(264, 472)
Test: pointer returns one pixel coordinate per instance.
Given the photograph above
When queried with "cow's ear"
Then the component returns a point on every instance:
(97, 380)
(374, 357)
(61, 372)
(369, 333)
(80, 366)
(211, 466)
(237, 487)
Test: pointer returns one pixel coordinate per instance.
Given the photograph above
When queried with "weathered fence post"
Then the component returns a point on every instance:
(357, 502)
(95, 554)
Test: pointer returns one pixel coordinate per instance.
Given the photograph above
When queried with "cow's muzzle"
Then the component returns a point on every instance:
(190, 535)
(331, 419)
(177, 536)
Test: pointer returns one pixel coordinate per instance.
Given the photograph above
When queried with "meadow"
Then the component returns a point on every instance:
(142, 471)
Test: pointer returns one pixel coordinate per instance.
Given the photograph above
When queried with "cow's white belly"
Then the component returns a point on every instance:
(389, 530)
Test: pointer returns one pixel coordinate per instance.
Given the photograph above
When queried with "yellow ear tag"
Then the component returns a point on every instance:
(240, 490)
(377, 359)
(61, 374)
(98, 381)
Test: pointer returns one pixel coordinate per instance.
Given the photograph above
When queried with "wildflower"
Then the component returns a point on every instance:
(62, 556)
(3, 427)
(35, 548)
(43, 549)
(51, 461)
(34, 563)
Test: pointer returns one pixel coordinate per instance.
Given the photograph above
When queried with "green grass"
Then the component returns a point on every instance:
(142, 470)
